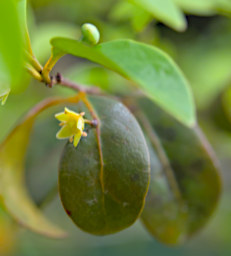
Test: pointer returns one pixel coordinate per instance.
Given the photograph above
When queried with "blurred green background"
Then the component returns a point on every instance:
(202, 50)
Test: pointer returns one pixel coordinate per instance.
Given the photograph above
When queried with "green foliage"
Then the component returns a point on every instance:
(170, 12)
(104, 177)
(93, 74)
(153, 71)
(12, 186)
(97, 190)
(185, 184)
(165, 11)
(10, 47)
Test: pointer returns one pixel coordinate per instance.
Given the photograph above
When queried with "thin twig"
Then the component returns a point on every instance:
(59, 80)
(48, 67)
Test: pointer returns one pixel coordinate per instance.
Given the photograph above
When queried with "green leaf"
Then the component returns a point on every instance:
(165, 11)
(103, 182)
(202, 7)
(11, 42)
(185, 183)
(151, 69)
(22, 15)
(12, 186)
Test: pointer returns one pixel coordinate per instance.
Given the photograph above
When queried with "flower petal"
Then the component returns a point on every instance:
(64, 132)
(77, 138)
(61, 117)
(71, 113)
(80, 123)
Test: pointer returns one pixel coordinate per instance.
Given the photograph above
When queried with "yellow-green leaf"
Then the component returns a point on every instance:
(12, 186)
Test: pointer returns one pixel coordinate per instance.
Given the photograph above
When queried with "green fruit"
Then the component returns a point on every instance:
(105, 195)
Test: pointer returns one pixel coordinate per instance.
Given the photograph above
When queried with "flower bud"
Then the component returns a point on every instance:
(90, 34)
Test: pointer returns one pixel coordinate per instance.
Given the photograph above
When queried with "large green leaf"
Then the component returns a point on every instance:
(152, 70)
(12, 187)
(103, 182)
(165, 11)
(10, 44)
(185, 183)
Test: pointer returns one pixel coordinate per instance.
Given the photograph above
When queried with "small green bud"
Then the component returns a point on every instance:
(90, 33)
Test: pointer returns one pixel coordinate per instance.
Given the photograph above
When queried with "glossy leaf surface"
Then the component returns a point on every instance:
(185, 183)
(103, 182)
(12, 187)
(152, 70)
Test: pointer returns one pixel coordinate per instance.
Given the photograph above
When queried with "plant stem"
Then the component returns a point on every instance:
(77, 87)
(43, 74)
(48, 67)
(33, 72)
(33, 61)
(98, 137)
(49, 102)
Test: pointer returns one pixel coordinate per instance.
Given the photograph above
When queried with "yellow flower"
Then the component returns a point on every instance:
(72, 126)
